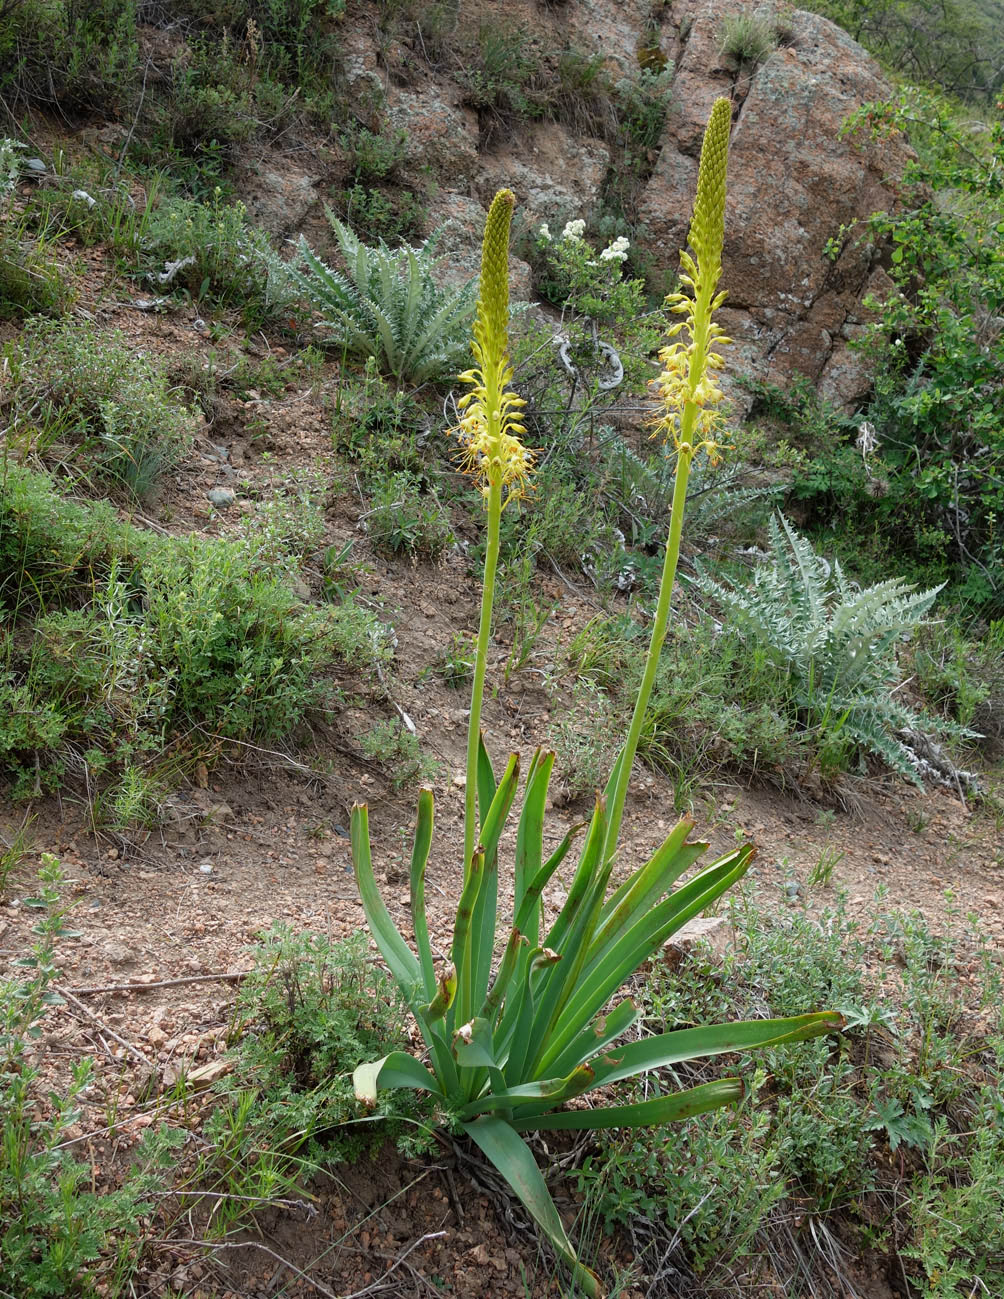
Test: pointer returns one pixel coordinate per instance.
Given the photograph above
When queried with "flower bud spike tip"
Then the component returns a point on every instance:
(491, 425)
(687, 386)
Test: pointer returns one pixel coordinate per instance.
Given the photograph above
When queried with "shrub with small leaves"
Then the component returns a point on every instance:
(87, 400)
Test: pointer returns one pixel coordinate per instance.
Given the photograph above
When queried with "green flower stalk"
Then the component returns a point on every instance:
(690, 399)
(490, 432)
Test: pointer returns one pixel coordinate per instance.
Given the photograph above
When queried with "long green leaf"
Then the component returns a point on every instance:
(518, 1045)
(643, 1114)
(607, 974)
(395, 951)
(581, 881)
(395, 1070)
(510, 959)
(461, 954)
(552, 1090)
(536, 887)
(707, 1040)
(486, 782)
(484, 923)
(530, 840)
(510, 1155)
(531, 907)
(419, 860)
(597, 1036)
(652, 880)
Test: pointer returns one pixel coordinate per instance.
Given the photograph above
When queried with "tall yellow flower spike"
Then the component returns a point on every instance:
(490, 427)
(687, 386)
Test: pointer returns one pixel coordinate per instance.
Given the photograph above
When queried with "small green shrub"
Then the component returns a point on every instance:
(379, 428)
(569, 272)
(715, 705)
(86, 400)
(932, 440)
(373, 155)
(399, 752)
(386, 305)
(295, 42)
(209, 251)
(583, 96)
(504, 79)
(71, 54)
(403, 518)
(307, 1012)
(386, 214)
(30, 282)
(147, 651)
(60, 1235)
(642, 103)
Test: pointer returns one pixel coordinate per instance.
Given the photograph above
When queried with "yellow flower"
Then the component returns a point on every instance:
(491, 425)
(686, 387)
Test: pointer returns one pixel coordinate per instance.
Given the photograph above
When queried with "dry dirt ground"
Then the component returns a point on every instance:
(264, 838)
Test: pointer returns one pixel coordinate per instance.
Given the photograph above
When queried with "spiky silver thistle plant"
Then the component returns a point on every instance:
(507, 1049)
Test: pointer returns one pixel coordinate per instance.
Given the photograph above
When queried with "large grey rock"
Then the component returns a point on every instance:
(793, 181)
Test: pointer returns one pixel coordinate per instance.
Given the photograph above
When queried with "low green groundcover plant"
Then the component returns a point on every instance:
(507, 1050)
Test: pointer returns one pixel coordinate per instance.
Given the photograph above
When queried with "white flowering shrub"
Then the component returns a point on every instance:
(570, 273)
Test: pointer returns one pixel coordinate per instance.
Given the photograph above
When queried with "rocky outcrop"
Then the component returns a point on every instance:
(793, 178)
(793, 181)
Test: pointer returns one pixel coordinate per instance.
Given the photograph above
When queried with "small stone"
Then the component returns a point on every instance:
(714, 932)
(460, 782)
(206, 867)
(792, 890)
(221, 497)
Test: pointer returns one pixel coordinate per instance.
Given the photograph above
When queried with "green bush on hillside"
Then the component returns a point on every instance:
(143, 651)
(88, 401)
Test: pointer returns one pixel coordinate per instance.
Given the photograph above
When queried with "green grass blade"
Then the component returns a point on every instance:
(642, 1114)
(395, 951)
(515, 947)
(510, 1155)
(582, 880)
(419, 860)
(707, 1040)
(581, 912)
(650, 873)
(522, 1031)
(531, 905)
(485, 920)
(534, 890)
(487, 784)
